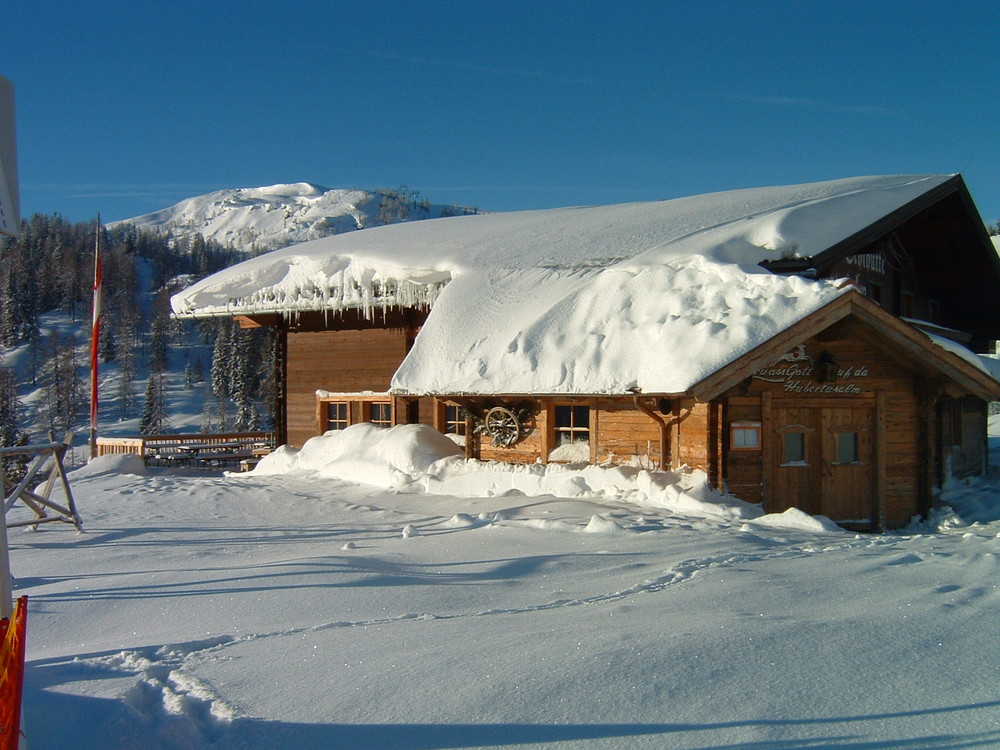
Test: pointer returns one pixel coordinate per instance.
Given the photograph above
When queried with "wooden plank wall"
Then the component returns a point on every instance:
(904, 423)
(620, 434)
(340, 362)
(694, 435)
(624, 434)
(963, 448)
(530, 448)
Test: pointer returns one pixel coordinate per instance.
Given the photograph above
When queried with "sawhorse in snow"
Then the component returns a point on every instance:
(39, 501)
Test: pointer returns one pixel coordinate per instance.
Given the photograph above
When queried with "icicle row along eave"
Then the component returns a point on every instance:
(371, 298)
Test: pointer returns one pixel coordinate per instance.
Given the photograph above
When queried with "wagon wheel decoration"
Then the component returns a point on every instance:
(502, 425)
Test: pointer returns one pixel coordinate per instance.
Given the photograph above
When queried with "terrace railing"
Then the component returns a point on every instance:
(202, 449)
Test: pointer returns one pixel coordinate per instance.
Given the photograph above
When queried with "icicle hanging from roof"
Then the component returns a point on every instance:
(346, 290)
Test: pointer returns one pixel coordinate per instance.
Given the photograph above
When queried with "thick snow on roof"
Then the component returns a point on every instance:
(649, 296)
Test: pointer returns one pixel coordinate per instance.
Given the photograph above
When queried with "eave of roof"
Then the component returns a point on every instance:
(873, 232)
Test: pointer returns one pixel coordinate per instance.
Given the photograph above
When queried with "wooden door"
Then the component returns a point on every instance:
(794, 456)
(821, 461)
(847, 486)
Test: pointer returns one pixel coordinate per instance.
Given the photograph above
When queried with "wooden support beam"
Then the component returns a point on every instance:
(881, 482)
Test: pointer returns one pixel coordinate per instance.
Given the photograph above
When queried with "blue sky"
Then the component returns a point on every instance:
(126, 107)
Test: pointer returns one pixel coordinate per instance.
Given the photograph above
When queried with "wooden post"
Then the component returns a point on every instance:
(6, 589)
(881, 482)
(769, 450)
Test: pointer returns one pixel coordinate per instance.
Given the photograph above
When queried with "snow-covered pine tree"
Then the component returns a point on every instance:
(154, 414)
(159, 343)
(10, 431)
(242, 377)
(221, 359)
(65, 391)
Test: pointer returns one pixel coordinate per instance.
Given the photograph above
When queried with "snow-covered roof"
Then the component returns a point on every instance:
(607, 299)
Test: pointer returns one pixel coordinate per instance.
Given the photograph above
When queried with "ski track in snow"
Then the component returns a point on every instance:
(165, 690)
(167, 693)
(676, 575)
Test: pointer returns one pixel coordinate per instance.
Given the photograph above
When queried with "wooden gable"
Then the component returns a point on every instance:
(845, 415)
(905, 342)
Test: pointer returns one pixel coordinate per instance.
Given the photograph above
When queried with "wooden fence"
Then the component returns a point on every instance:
(204, 450)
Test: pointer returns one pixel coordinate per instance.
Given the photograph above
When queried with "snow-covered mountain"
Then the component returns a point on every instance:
(266, 218)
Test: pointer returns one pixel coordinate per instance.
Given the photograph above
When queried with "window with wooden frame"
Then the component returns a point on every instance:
(453, 422)
(337, 415)
(846, 448)
(795, 445)
(572, 424)
(379, 413)
(744, 436)
(570, 433)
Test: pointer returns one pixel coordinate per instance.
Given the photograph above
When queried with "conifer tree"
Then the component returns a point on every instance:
(159, 343)
(222, 360)
(64, 388)
(242, 379)
(10, 431)
(154, 414)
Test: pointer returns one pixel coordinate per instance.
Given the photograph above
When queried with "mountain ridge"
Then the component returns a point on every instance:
(260, 219)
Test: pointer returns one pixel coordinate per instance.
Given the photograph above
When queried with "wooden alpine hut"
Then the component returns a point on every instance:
(811, 346)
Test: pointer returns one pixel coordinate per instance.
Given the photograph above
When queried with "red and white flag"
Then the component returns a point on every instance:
(95, 337)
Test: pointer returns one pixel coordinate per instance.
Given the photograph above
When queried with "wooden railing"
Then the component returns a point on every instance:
(202, 449)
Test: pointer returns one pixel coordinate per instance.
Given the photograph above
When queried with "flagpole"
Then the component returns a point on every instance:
(95, 334)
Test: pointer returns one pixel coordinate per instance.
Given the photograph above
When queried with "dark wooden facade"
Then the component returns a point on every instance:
(930, 261)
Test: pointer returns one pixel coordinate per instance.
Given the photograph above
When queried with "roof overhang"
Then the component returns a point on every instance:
(864, 237)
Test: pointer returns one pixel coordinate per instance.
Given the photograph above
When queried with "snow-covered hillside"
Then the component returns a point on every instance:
(266, 218)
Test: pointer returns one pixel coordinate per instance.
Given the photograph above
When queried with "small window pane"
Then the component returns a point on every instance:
(380, 414)
(454, 421)
(744, 436)
(795, 448)
(572, 424)
(847, 447)
(336, 416)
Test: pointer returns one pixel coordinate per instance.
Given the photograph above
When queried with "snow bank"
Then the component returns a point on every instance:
(793, 519)
(365, 453)
(419, 457)
(123, 463)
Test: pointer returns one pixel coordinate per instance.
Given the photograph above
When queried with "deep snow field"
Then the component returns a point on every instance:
(448, 605)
